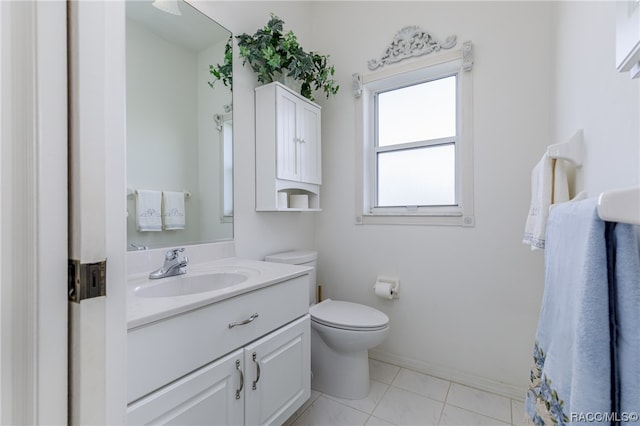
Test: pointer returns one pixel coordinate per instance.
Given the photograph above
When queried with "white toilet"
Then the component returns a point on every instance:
(341, 335)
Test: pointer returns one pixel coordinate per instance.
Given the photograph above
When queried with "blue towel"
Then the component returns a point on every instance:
(627, 290)
(572, 374)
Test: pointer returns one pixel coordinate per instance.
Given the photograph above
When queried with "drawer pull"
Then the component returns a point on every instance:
(247, 321)
(255, 382)
(241, 379)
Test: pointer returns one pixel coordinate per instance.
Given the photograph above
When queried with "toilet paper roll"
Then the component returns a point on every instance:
(283, 200)
(299, 201)
(384, 290)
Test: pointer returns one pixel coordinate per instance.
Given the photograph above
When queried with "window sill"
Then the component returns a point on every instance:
(431, 220)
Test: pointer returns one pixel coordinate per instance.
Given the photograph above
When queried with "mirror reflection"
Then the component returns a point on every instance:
(179, 128)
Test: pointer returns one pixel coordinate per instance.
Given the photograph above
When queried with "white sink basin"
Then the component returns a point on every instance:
(190, 284)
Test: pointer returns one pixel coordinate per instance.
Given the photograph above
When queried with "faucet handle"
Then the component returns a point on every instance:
(173, 253)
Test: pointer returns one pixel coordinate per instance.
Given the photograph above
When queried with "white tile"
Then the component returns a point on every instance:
(368, 404)
(375, 421)
(407, 408)
(299, 411)
(481, 402)
(518, 415)
(425, 385)
(327, 412)
(382, 372)
(454, 416)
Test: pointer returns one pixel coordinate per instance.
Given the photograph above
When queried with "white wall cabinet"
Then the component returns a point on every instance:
(628, 37)
(195, 369)
(288, 148)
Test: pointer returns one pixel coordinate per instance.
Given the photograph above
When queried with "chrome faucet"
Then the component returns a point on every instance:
(174, 264)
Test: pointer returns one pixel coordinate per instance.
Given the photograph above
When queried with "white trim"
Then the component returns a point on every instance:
(409, 42)
(452, 375)
(51, 208)
(34, 213)
(5, 364)
(115, 212)
(18, 281)
(98, 208)
(462, 214)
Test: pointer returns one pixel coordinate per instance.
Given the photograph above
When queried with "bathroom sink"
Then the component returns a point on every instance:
(190, 284)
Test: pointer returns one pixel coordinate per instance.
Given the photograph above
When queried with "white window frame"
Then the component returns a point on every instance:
(431, 68)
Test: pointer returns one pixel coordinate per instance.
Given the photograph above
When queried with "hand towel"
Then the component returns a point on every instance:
(627, 295)
(173, 212)
(572, 373)
(148, 208)
(549, 186)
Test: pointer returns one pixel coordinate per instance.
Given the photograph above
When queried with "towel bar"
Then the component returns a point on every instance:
(570, 151)
(131, 192)
(620, 205)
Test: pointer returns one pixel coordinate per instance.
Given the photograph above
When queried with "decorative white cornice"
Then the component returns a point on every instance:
(467, 56)
(409, 42)
(357, 84)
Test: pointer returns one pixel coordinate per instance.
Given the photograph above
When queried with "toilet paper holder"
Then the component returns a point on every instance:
(391, 283)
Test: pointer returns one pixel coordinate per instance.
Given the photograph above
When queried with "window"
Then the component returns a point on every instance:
(415, 125)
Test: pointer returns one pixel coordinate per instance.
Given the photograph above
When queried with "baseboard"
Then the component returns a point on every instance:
(471, 380)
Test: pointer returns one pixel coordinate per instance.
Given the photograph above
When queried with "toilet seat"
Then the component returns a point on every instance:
(348, 316)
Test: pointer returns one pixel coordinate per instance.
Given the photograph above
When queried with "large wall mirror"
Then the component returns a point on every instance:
(179, 128)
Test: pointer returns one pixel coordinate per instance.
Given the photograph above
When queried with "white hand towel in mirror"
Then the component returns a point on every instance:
(148, 210)
(173, 213)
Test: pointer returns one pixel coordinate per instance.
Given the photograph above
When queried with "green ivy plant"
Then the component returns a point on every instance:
(272, 54)
(224, 71)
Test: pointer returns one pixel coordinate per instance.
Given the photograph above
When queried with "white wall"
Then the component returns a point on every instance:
(209, 146)
(590, 94)
(470, 297)
(258, 234)
(162, 127)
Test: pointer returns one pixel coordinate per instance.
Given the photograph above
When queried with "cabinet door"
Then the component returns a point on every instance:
(278, 374)
(310, 154)
(287, 136)
(204, 397)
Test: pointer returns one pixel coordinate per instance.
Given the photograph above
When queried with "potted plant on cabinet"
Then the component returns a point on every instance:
(277, 56)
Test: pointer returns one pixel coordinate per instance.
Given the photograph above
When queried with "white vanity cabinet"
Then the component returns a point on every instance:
(288, 148)
(207, 396)
(277, 374)
(200, 368)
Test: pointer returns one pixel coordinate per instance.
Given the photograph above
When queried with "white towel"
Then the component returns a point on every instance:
(148, 208)
(173, 212)
(549, 186)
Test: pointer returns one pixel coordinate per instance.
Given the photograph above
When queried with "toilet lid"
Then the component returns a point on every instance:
(348, 316)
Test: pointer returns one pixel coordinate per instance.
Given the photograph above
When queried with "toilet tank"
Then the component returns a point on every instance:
(302, 258)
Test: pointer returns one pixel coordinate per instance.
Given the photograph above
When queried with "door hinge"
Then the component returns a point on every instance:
(87, 280)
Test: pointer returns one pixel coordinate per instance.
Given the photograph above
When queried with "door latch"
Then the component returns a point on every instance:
(86, 280)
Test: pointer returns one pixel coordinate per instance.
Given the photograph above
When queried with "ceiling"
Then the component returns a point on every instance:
(193, 30)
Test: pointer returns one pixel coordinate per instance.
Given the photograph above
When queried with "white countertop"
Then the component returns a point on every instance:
(144, 310)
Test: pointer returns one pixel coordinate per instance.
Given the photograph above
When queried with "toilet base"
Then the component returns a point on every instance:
(340, 374)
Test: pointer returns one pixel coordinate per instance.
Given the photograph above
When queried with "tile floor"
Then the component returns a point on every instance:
(403, 397)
